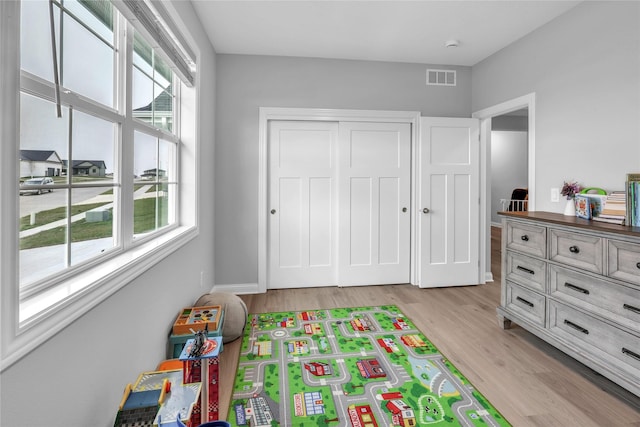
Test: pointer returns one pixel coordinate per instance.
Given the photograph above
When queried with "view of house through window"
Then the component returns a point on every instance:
(152, 90)
(64, 203)
(71, 167)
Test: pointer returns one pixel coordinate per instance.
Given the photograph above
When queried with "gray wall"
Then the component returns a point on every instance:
(77, 377)
(583, 68)
(246, 83)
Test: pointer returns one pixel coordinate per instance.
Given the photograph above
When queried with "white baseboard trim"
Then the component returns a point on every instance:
(488, 277)
(238, 289)
(496, 224)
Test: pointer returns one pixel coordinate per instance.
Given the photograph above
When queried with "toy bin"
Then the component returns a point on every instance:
(177, 341)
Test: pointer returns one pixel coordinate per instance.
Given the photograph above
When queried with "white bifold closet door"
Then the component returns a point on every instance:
(339, 197)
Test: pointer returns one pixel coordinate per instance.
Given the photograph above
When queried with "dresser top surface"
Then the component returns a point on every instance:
(573, 221)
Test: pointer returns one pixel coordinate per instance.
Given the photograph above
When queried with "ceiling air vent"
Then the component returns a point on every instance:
(441, 77)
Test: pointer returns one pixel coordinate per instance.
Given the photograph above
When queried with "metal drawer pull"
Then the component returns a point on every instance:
(574, 249)
(576, 288)
(525, 238)
(638, 264)
(524, 301)
(576, 327)
(526, 270)
(630, 353)
(631, 308)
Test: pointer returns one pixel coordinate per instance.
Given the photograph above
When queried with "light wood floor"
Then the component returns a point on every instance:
(527, 380)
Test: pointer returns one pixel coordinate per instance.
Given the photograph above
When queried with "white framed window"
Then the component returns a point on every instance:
(95, 196)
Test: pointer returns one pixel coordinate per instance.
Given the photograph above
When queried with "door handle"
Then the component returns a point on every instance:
(425, 210)
(273, 211)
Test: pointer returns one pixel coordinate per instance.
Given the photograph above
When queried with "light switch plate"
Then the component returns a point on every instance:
(555, 194)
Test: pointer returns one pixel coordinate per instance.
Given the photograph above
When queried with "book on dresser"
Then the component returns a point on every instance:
(614, 209)
(633, 199)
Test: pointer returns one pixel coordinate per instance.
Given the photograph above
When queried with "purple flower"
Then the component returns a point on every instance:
(570, 189)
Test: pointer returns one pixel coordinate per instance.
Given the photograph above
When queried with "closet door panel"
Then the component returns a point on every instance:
(389, 220)
(320, 222)
(374, 193)
(290, 223)
(302, 214)
(360, 221)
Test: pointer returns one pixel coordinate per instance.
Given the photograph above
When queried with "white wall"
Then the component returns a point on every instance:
(246, 83)
(584, 68)
(77, 377)
(508, 167)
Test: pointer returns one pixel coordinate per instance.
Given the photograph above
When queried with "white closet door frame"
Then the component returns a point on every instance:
(268, 113)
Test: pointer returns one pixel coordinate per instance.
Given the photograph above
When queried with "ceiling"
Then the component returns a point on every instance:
(396, 31)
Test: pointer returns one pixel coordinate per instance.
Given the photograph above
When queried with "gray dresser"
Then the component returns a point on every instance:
(575, 284)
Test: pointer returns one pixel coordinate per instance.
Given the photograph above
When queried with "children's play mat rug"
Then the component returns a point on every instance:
(361, 366)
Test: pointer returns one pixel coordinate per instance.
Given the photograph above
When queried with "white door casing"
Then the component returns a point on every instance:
(449, 202)
(375, 200)
(485, 115)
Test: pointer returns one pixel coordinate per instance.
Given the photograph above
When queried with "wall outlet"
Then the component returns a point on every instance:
(555, 194)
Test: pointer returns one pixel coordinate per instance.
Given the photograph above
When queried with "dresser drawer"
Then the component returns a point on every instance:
(577, 250)
(526, 238)
(526, 271)
(526, 303)
(609, 343)
(620, 303)
(624, 261)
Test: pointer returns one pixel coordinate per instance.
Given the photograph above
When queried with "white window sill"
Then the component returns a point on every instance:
(97, 284)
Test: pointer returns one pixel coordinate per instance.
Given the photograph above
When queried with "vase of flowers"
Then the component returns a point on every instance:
(569, 190)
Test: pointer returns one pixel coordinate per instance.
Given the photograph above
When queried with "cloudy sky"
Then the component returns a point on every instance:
(87, 69)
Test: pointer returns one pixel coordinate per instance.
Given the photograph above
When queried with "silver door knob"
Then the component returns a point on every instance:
(273, 211)
(425, 210)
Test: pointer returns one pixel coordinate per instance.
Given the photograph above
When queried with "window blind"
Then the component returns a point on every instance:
(154, 21)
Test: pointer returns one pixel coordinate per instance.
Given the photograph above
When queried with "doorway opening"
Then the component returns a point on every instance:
(487, 116)
(509, 163)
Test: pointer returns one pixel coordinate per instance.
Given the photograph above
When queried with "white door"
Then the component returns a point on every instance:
(449, 206)
(339, 202)
(302, 204)
(375, 195)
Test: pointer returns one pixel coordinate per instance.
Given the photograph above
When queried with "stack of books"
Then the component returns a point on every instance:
(614, 209)
(633, 199)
